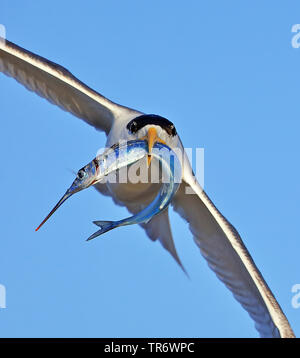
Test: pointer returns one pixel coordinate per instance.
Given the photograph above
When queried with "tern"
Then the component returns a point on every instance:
(218, 241)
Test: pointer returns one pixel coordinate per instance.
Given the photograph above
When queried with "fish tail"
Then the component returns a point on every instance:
(104, 227)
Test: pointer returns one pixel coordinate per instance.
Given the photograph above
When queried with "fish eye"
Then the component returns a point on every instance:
(81, 174)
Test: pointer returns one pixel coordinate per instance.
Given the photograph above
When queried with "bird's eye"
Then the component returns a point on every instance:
(81, 174)
(133, 127)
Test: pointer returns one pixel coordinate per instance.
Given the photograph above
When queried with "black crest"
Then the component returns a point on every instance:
(139, 122)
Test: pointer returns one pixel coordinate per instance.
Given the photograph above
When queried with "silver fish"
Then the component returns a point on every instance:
(120, 156)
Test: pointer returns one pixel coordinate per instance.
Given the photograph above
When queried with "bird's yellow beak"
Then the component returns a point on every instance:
(152, 138)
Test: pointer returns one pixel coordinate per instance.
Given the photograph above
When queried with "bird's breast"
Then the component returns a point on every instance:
(136, 182)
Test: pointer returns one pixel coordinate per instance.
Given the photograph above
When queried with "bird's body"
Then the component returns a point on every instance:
(218, 240)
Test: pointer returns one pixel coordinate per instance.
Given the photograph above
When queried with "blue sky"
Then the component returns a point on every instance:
(226, 74)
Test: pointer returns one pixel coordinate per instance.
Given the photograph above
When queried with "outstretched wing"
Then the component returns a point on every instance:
(227, 256)
(60, 87)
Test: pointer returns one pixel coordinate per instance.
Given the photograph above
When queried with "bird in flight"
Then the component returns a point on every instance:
(218, 241)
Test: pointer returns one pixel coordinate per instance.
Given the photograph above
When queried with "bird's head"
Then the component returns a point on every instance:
(85, 177)
(153, 128)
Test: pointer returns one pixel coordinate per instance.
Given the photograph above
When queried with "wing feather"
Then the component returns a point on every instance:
(222, 247)
(56, 84)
